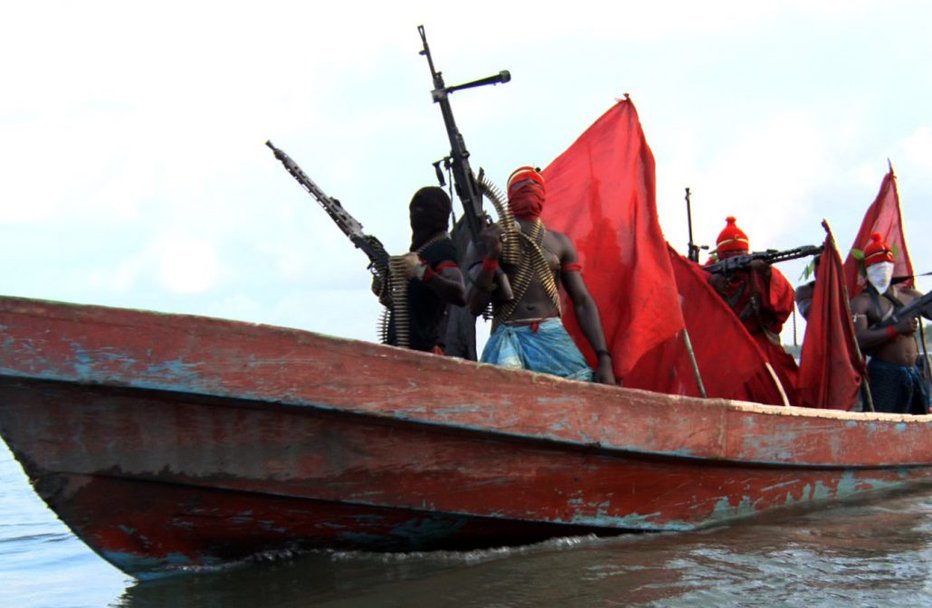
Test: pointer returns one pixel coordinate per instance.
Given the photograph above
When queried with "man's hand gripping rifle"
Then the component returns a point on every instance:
(919, 306)
(770, 256)
(371, 246)
(464, 180)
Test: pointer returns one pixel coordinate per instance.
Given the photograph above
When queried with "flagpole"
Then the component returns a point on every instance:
(692, 359)
(925, 355)
(779, 385)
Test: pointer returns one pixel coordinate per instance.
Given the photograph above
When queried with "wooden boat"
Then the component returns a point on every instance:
(167, 441)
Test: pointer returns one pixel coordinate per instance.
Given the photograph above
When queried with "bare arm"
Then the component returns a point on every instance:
(870, 339)
(483, 263)
(448, 284)
(587, 313)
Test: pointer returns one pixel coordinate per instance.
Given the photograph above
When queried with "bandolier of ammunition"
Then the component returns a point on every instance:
(532, 263)
(397, 286)
(511, 249)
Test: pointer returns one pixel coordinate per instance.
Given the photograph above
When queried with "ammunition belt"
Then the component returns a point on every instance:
(397, 285)
(532, 264)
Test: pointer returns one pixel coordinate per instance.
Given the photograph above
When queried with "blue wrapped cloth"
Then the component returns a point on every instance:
(541, 347)
(897, 389)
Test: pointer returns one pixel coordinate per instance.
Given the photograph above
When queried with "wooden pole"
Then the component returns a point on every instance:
(692, 359)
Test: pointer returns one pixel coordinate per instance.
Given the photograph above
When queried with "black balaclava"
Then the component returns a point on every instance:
(430, 214)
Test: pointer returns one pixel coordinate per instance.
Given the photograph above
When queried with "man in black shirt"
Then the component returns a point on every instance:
(432, 272)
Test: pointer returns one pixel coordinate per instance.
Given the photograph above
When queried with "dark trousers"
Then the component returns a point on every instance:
(897, 389)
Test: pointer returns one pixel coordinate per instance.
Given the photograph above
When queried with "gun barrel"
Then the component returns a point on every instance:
(770, 256)
(349, 225)
(502, 77)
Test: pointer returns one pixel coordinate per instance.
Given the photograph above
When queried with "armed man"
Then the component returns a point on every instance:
(527, 332)
(415, 288)
(759, 294)
(885, 321)
(431, 272)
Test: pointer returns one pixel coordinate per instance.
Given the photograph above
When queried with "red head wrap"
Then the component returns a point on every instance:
(526, 192)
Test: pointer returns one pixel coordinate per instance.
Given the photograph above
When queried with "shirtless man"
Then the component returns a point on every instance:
(527, 332)
(895, 382)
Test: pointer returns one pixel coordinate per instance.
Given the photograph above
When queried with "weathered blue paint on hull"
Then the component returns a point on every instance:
(167, 440)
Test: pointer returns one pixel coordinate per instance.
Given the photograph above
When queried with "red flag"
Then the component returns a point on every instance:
(601, 193)
(882, 216)
(730, 361)
(831, 366)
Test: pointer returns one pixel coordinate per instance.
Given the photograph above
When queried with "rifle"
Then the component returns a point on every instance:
(770, 256)
(371, 246)
(464, 180)
(913, 309)
(691, 247)
(903, 279)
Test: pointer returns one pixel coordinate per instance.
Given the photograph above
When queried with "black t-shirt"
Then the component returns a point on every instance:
(426, 310)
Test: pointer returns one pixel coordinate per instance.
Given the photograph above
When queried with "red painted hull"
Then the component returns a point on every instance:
(172, 440)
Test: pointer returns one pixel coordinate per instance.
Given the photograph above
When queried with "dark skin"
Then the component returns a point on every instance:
(899, 348)
(536, 304)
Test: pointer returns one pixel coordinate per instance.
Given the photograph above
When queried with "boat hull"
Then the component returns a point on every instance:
(168, 441)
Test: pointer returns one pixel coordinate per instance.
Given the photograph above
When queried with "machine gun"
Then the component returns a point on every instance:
(464, 180)
(913, 309)
(770, 256)
(371, 246)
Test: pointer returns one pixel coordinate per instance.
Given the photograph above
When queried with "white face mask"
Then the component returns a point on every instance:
(880, 275)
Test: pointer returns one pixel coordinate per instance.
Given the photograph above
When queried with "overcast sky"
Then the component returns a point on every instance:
(134, 170)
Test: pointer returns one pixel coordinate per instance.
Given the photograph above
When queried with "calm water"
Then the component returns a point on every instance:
(877, 554)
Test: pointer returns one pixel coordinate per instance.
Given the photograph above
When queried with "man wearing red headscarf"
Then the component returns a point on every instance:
(895, 381)
(527, 332)
(761, 297)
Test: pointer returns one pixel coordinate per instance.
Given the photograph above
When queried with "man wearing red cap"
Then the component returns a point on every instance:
(761, 297)
(527, 332)
(895, 382)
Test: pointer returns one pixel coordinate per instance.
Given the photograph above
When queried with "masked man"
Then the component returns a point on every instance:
(762, 298)
(895, 382)
(431, 272)
(527, 332)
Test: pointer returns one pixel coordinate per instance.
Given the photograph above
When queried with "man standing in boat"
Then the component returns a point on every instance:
(527, 332)
(762, 298)
(431, 275)
(895, 382)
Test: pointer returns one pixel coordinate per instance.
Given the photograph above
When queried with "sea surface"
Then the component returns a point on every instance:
(869, 554)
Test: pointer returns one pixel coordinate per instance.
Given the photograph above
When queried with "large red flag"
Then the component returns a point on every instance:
(882, 216)
(601, 193)
(730, 361)
(831, 366)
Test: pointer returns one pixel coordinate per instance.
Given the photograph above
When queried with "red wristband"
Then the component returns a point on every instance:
(891, 331)
(428, 273)
(489, 264)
